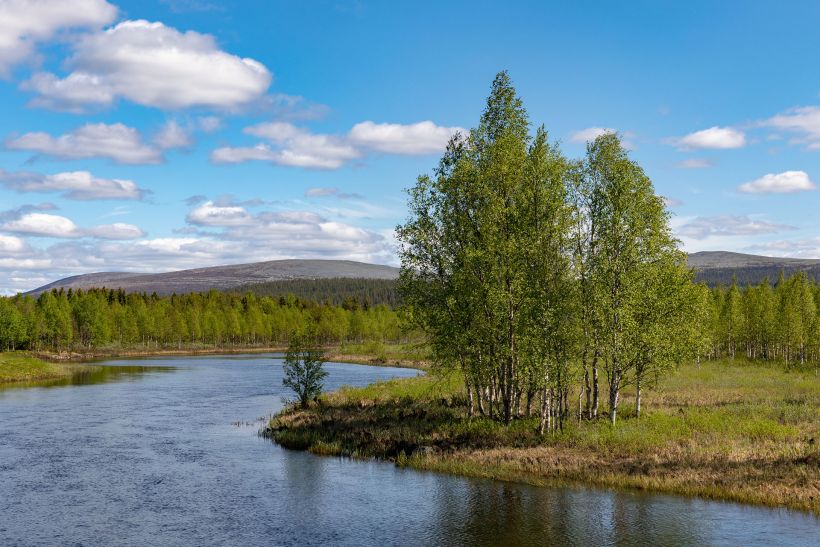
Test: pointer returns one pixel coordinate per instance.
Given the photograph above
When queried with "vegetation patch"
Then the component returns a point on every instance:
(738, 443)
(22, 367)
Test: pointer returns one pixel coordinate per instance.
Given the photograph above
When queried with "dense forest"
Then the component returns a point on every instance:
(103, 318)
(336, 291)
(777, 321)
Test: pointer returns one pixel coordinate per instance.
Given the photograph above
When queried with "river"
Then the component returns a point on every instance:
(165, 452)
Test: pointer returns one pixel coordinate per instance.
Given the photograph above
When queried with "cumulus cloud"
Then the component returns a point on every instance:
(589, 134)
(729, 225)
(393, 138)
(153, 65)
(118, 230)
(57, 226)
(781, 183)
(172, 135)
(24, 23)
(716, 138)
(294, 146)
(77, 185)
(801, 248)
(117, 142)
(803, 122)
(11, 245)
(210, 214)
(695, 163)
(43, 224)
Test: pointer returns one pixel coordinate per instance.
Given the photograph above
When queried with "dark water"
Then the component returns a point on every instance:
(135, 455)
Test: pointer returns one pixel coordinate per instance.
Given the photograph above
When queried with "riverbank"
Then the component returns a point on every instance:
(369, 353)
(744, 432)
(23, 367)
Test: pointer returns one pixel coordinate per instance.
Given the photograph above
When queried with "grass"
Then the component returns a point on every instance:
(737, 431)
(380, 353)
(22, 367)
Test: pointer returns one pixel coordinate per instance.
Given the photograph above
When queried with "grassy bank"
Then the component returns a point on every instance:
(725, 430)
(22, 367)
(379, 353)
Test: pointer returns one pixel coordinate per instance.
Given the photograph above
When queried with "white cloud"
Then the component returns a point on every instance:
(117, 142)
(671, 202)
(118, 230)
(153, 65)
(78, 185)
(294, 147)
(802, 248)
(11, 245)
(803, 121)
(24, 23)
(781, 183)
(43, 224)
(208, 124)
(715, 138)
(393, 138)
(589, 134)
(728, 225)
(209, 214)
(695, 163)
(172, 135)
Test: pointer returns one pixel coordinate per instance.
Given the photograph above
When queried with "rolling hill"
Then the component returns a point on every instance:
(225, 277)
(719, 267)
(713, 267)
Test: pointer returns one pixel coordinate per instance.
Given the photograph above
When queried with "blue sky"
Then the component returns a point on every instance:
(160, 135)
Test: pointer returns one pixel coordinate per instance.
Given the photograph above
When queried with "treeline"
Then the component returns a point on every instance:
(348, 292)
(100, 318)
(752, 275)
(764, 321)
(541, 278)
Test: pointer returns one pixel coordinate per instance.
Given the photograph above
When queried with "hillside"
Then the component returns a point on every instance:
(225, 277)
(271, 278)
(718, 267)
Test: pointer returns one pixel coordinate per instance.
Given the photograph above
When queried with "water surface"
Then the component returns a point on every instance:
(165, 452)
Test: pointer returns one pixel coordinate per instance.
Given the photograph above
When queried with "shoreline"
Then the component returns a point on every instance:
(32, 366)
(418, 424)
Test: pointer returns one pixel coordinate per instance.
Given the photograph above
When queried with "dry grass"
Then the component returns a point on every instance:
(725, 430)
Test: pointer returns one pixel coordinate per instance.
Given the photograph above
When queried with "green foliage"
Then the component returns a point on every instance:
(304, 368)
(104, 318)
(350, 293)
(518, 264)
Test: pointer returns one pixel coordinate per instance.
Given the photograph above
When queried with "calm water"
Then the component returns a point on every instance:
(136, 454)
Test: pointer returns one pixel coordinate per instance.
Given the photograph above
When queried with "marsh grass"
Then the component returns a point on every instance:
(22, 367)
(728, 430)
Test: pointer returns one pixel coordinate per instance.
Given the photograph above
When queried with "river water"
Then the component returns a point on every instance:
(165, 452)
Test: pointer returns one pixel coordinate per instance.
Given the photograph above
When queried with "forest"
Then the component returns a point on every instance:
(336, 291)
(110, 318)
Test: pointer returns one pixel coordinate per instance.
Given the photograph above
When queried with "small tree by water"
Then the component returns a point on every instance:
(304, 369)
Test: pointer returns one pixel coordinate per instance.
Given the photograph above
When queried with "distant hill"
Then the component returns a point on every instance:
(719, 267)
(225, 277)
(278, 277)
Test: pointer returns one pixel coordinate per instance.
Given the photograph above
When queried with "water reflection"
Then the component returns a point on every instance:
(142, 452)
(92, 374)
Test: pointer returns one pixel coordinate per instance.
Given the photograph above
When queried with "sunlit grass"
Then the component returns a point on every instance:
(22, 367)
(725, 429)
